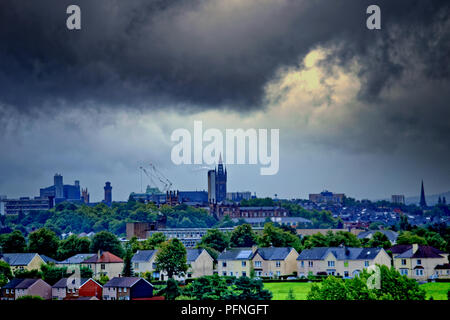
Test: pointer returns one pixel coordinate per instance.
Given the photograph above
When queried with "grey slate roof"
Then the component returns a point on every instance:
(391, 235)
(236, 254)
(274, 253)
(62, 283)
(341, 253)
(12, 284)
(78, 258)
(192, 254)
(143, 255)
(47, 259)
(18, 259)
(124, 282)
(422, 252)
(26, 283)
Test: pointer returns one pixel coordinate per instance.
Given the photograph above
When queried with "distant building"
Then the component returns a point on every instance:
(423, 202)
(85, 195)
(239, 196)
(151, 195)
(61, 192)
(292, 222)
(2, 205)
(398, 198)
(236, 211)
(217, 183)
(108, 194)
(26, 205)
(326, 197)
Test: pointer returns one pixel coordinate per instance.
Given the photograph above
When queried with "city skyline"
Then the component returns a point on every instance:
(361, 112)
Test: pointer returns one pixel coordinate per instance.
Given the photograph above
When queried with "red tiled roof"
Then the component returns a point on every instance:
(106, 257)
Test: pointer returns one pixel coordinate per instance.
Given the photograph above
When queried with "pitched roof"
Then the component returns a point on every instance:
(47, 259)
(236, 254)
(192, 254)
(143, 255)
(391, 235)
(341, 253)
(400, 248)
(105, 257)
(274, 253)
(18, 259)
(63, 282)
(78, 258)
(422, 252)
(26, 283)
(12, 283)
(124, 282)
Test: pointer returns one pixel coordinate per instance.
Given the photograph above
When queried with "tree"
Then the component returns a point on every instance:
(24, 273)
(43, 241)
(408, 237)
(393, 286)
(215, 239)
(52, 274)
(106, 241)
(208, 288)
(379, 240)
(127, 265)
(243, 236)
(171, 291)
(249, 289)
(14, 243)
(72, 246)
(103, 279)
(5, 273)
(277, 237)
(86, 272)
(171, 257)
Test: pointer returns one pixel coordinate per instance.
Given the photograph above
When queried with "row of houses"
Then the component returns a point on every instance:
(118, 288)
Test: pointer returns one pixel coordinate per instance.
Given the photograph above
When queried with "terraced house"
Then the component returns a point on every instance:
(275, 262)
(127, 288)
(340, 261)
(420, 262)
(23, 261)
(104, 264)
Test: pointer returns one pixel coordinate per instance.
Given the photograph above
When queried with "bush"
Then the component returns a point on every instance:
(28, 297)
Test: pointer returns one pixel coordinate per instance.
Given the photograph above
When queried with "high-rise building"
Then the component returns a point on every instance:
(108, 194)
(59, 187)
(423, 202)
(217, 183)
(398, 198)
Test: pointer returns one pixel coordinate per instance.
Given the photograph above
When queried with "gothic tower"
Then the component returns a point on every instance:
(423, 202)
(221, 181)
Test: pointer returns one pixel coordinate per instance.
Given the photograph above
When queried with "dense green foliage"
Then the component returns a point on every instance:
(43, 241)
(331, 239)
(13, 242)
(393, 286)
(5, 273)
(243, 236)
(171, 258)
(106, 241)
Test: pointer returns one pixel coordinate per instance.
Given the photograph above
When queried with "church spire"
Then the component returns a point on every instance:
(220, 158)
(423, 202)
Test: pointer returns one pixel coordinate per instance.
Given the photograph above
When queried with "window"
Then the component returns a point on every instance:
(244, 274)
(404, 272)
(153, 265)
(331, 263)
(346, 263)
(124, 289)
(258, 264)
(302, 263)
(231, 273)
(224, 264)
(419, 262)
(366, 263)
(403, 262)
(310, 263)
(7, 291)
(120, 289)
(278, 264)
(189, 275)
(136, 265)
(244, 263)
(102, 266)
(419, 272)
(345, 273)
(224, 273)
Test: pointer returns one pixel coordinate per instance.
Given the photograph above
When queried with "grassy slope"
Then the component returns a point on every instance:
(280, 290)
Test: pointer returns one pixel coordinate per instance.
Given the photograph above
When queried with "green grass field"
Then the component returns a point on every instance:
(438, 290)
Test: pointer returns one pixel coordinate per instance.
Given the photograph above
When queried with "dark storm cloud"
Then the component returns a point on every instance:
(207, 54)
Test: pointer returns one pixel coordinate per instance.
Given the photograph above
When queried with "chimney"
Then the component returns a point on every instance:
(99, 254)
(415, 247)
(254, 248)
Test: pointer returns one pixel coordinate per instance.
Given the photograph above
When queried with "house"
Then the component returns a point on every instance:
(275, 261)
(418, 261)
(48, 259)
(127, 288)
(391, 235)
(200, 263)
(90, 288)
(144, 261)
(235, 262)
(104, 263)
(23, 261)
(75, 260)
(341, 261)
(67, 288)
(442, 271)
(17, 288)
(199, 260)
(9, 289)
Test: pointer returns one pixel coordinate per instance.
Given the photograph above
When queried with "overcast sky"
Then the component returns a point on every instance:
(362, 112)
